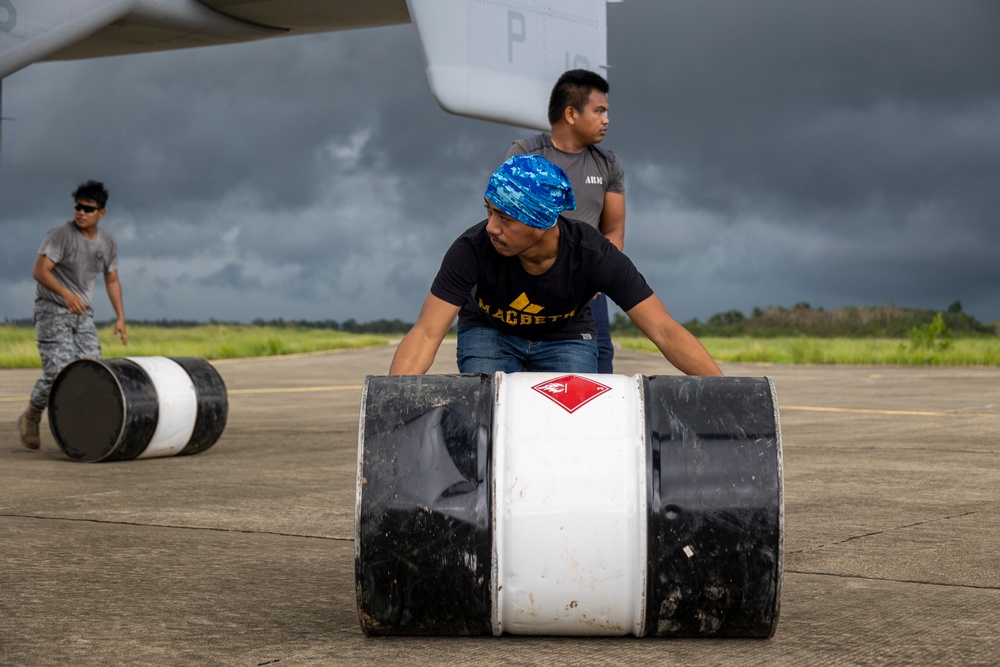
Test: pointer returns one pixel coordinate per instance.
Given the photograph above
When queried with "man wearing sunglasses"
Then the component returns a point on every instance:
(68, 262)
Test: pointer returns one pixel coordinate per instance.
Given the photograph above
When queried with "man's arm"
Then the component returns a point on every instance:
(419, 346)
(114, 288)
(43, 274)
(676, 343)
(613, 218)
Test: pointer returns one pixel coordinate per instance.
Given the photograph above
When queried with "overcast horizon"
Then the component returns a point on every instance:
(838, 154)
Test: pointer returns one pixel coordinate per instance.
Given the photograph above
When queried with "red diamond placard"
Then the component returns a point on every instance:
(571, 392)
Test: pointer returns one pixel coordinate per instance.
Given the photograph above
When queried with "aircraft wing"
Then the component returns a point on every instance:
(498, 60)
(486, 59)
(45, 30)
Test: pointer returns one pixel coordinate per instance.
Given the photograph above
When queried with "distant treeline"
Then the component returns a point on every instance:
(847, 322)
(347, 326)
(771, 322)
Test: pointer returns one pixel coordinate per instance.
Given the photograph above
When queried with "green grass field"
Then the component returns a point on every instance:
(210, 341)
(867, 351)
(226, 341)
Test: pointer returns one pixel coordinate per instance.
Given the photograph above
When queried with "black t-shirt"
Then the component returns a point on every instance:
(496, 291)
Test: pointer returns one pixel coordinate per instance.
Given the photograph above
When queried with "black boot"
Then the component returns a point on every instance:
(28, 423)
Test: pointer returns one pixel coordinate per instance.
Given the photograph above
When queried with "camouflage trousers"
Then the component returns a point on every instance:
(62, 337)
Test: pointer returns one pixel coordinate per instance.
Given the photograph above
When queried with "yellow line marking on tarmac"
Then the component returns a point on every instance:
(800, 408)
(908, 413)
(296, 390)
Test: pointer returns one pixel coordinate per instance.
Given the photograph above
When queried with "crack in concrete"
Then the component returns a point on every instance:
(882, 532)
(897, 581)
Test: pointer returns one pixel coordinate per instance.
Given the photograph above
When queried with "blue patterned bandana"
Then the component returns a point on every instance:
(531, 189)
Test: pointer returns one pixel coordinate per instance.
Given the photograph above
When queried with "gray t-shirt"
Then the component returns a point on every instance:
(592, 172)
(77, 260)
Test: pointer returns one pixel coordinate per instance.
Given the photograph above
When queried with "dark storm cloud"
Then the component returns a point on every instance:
(862, 134)
(194, 126)
(817, 105)
(331, 180)
(775, 152)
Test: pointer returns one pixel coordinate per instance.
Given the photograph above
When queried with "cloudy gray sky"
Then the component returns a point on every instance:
(838, 153)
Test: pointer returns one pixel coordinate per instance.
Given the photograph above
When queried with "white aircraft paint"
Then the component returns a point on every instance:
(484, 59)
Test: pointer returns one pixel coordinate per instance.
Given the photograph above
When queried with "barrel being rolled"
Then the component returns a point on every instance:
(137, 407)
(538, 503)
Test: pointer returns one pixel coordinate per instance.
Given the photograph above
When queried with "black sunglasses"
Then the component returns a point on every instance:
(86, 209)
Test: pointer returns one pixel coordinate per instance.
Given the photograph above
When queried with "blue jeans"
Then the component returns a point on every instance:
(486, 350)
(605, 350)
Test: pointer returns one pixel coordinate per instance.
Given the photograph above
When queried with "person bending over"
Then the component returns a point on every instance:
(520, 283)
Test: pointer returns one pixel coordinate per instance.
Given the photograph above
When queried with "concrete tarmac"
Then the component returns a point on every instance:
(244, 554)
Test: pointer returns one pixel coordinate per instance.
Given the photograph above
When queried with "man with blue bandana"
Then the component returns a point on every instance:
(520, 282)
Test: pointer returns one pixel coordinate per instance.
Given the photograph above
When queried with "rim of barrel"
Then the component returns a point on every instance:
(63, 374)
(780, 567)
(358, 492)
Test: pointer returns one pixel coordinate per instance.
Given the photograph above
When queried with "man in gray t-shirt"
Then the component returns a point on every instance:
(578, 112)
(68, 261)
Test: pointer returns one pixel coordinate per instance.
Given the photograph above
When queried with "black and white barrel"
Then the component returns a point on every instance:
(538, 503)
(137, 407)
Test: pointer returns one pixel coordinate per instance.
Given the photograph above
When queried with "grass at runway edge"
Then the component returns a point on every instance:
(860, 351)
(211, 341)
(228, 341)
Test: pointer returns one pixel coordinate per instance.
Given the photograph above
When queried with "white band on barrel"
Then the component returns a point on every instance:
(178, 405)
(569, 504)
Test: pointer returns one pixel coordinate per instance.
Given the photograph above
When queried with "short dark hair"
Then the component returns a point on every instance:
(573, 90)
(92, 190)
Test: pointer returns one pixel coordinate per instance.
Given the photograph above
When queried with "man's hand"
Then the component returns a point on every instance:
(114, 287)
(120, 330)
(74, 303)
(676, 344)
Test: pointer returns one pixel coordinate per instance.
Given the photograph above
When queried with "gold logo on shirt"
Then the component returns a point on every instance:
(524, 303)
(522, 312)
